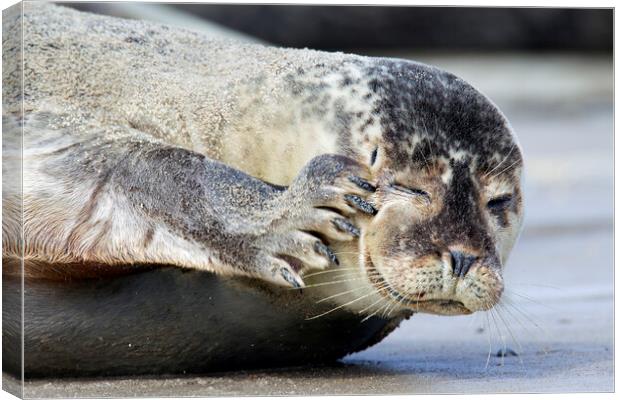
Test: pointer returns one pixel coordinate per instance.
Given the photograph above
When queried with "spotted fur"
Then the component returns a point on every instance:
(147, 144)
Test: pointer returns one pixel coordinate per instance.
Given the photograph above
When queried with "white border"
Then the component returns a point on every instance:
(461, 3)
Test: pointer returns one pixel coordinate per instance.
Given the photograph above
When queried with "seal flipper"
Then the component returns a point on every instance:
(115, 195)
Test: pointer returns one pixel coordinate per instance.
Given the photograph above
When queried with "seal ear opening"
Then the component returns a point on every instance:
(373, 156)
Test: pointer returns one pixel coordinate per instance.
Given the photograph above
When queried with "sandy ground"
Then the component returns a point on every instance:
(556, 321)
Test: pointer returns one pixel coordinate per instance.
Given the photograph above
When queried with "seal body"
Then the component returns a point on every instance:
(151, 323)
(146, 145)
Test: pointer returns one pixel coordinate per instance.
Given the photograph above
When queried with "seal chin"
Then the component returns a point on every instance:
(412, 302)
(443, 307)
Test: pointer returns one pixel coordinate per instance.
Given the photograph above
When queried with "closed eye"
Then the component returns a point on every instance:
(500, 202)
(412, 191)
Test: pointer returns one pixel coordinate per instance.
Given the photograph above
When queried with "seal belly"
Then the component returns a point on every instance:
(124, 325)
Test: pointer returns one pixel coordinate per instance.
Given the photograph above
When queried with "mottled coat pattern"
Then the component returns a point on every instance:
(147, 144)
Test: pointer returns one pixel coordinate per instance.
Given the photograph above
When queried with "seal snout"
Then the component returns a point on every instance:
(461, 262)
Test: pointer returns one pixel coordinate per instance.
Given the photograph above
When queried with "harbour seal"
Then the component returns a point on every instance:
(398, 182)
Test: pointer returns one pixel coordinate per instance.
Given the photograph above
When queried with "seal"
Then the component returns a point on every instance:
(146, 145)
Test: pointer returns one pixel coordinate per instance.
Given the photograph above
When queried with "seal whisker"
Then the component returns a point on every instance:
(524, 316)
(486, 366)
(500, 333)
(514, 339)
(391, 309)
(344, 274)
(340, 294)
(400, 302)
(531, 300)
(340, 306)
(328, 283)
(377, 290)
(418, 303)
(437, 129)
(370, 306)
(396, 304)
(373, 314)
(530, 319)
(498, 315)
(379, 308)
(517, 318)
(514, 145)
(428, 138)
(539, 285)
(330, 271)
(506, 169)
(385, 309)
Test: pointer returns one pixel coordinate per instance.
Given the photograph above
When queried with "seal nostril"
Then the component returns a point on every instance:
(461, 262)
(457, 262)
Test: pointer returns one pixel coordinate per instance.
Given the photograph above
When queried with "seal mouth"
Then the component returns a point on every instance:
(414, 301)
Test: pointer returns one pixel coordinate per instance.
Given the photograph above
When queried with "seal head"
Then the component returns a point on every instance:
(448, 171)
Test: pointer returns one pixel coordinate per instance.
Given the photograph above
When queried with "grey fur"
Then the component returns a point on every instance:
(158, 119)
(150, 145)
(245, 224)
(179, 127)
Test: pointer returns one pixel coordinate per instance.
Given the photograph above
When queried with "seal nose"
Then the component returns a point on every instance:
(461, 262)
